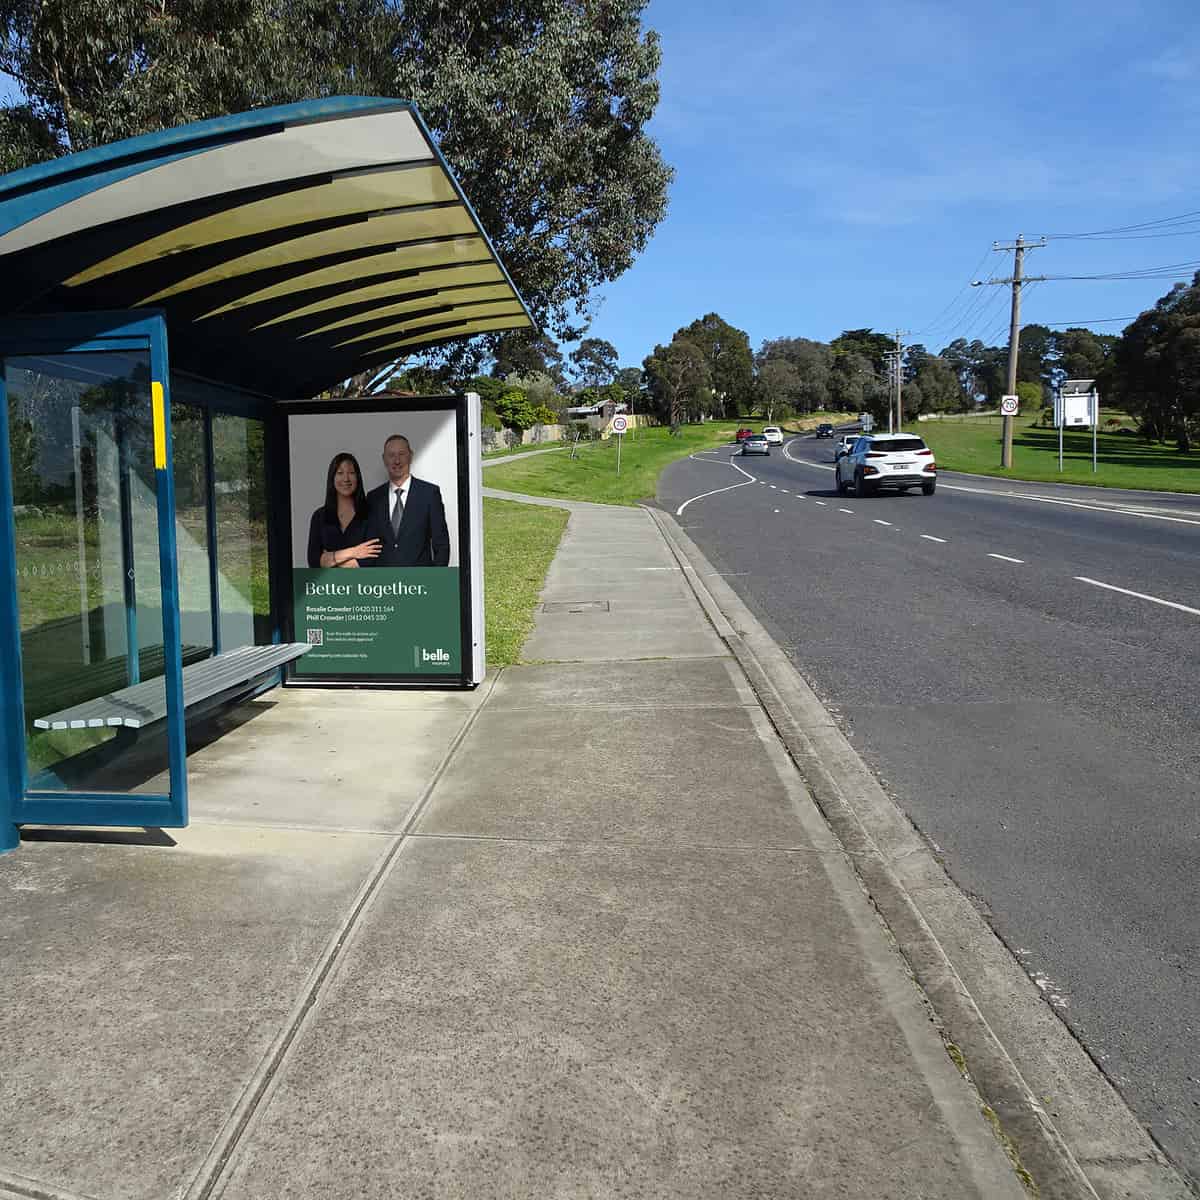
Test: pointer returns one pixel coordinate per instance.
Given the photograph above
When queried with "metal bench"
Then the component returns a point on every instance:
(222, 679)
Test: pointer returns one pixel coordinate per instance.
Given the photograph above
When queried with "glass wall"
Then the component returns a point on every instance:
(240, 493)
(188, 431)
(88, 587)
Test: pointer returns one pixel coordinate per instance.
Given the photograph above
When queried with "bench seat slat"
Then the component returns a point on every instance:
(145, 703)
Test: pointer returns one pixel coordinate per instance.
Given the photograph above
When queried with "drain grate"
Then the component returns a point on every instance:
(575, 606)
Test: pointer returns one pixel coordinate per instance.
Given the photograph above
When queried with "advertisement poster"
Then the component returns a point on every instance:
(376, 554)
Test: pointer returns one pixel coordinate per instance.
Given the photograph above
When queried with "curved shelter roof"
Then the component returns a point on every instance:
(289, 247)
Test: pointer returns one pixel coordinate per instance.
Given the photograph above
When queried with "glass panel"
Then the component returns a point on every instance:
(191, 531)
(240, 484)
(88, 589)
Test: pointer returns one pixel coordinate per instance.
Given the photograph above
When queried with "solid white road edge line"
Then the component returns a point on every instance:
(749, 479)
(1140, 595)
(1005, 558)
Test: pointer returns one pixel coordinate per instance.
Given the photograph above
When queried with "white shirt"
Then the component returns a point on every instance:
(394, 491)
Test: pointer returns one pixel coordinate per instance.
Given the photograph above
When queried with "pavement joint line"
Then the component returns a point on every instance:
(261, 1083)
(994, 1073)
(626, 844)
(1006, 558)
(20, 1187)
(1140, 595)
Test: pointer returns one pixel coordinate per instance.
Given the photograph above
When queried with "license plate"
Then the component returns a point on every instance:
(902, 466)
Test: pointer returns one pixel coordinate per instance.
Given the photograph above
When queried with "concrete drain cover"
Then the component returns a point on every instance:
(575, 606)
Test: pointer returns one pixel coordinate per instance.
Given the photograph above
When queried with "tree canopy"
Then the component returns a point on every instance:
(1154, 372)
(540, 106)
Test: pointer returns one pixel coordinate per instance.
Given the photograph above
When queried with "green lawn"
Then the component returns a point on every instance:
(518, 543)
(592, 474)
(523, 450)
(1124, 460)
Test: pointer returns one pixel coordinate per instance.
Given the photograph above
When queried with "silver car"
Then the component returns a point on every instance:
(756, 443)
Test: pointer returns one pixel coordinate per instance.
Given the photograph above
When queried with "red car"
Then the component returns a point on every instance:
(742, 434)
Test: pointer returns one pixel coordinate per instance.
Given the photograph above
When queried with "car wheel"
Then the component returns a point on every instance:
(928, 486)
(862, 489)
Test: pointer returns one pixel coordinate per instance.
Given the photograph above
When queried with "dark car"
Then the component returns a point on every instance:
(742, 434)
(825, 430)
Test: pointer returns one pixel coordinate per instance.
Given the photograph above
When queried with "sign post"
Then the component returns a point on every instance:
(619, 425)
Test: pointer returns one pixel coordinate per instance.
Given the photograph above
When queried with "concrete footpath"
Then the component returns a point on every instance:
(595, 929)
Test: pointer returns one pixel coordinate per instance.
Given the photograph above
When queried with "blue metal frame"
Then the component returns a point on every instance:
(65, 334)
(210, 521)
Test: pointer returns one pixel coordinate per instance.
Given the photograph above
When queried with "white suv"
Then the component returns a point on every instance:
(887, 460)
(773, 434)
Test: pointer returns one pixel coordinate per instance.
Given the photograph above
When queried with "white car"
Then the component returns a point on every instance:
(773, 434)
(887, 460)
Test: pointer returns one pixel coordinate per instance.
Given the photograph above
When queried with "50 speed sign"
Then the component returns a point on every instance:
(1009, 406)
(620, 424)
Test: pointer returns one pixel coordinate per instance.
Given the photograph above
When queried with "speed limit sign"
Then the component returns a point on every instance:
(620, 424)
(1009, 406)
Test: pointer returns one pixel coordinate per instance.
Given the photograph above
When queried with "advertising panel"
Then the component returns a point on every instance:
(383, 548)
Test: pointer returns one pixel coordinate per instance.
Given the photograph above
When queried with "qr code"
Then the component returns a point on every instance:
(316, 637)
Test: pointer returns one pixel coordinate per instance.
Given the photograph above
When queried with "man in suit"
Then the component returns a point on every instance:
(406, 515)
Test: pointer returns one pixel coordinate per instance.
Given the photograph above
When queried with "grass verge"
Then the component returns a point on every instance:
(592, 474)
(1123, 459)
(531, 448)
(519, 543)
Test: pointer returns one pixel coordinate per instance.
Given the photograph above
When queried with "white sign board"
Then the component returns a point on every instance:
(620, 424)
(1009, 405)
(1076, 409)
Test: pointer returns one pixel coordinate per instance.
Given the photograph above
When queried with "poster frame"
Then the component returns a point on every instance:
(469, 533)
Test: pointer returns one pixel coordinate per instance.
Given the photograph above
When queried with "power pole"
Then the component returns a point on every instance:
(1014, 330)
(895, 360)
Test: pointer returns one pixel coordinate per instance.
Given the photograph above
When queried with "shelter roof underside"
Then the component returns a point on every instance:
(290, 248)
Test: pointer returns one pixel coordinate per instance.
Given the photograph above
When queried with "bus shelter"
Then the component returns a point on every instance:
(172, 304)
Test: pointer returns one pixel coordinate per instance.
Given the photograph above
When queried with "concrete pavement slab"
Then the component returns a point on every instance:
(714, 776)
(323, 760)
(686, 683)
(140, 987)
(564, 1021)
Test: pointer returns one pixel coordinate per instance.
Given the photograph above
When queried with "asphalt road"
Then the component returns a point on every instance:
(1042, 730)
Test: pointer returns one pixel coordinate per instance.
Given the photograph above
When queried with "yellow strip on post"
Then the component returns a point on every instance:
(159, 417)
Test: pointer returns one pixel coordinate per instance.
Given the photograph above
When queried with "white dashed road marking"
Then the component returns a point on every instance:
(1005, 558)
(821, 503)
(1140, 595)
(847, 510)
(879, 522)
(930, 538)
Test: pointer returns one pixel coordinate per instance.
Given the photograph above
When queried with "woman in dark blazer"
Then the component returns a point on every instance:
(337, 533)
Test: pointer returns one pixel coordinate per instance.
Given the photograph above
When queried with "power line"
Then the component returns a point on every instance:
(1089, 321)
(935, 323)
(1162, 222)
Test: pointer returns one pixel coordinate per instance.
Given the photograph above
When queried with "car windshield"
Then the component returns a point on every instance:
(893, 445)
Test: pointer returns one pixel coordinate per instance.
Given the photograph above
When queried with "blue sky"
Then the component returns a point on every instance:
(840, 166)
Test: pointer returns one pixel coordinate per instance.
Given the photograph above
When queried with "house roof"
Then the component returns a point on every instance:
(288, 247)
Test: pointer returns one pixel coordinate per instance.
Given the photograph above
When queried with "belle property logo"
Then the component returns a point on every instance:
(439, 657)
